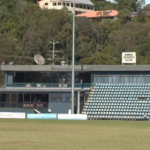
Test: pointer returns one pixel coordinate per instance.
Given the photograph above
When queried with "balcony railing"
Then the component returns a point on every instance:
(23, 105)
(49, 85)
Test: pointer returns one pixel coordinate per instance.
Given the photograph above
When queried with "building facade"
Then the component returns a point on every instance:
(80, 6)
(44, 87)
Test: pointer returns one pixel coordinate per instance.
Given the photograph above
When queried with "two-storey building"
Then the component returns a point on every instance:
(80, 6)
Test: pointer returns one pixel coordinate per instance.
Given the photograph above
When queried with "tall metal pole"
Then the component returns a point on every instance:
(73, 49)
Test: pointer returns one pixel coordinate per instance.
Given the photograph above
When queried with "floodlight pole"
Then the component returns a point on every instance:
(53, 55)
(73, 49)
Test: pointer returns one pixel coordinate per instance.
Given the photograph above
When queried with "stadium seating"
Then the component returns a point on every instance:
(129, 101)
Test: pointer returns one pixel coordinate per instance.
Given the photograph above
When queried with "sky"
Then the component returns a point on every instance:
(147, 2)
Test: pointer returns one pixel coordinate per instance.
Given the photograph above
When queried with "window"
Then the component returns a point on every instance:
(128, 79)
(68, 4)
(100, 79)
(84, 7)
(136, 79)
(67, 97)
(46, 3)
(147, 79)
(59, 3)
(54, 4)
(80, 6)
(56, 97)
(64, 4)
(71, 4)
(27, 97)
(77, 5)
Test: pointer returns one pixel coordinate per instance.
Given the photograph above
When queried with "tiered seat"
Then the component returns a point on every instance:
(119, 101)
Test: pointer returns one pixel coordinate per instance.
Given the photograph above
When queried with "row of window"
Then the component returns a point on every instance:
(68, 4)
(121, 79)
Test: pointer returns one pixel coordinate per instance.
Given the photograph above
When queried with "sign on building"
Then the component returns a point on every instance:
(128, 57)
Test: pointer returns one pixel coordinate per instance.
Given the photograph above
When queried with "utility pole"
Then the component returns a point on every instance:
(53, 55)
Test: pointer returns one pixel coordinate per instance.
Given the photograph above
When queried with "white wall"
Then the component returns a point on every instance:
(58, 7)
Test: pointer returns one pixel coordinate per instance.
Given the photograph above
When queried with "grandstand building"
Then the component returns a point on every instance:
(101, 91)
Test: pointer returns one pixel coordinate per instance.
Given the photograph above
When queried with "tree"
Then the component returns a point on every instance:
(129, 37)
(131, 5)
(124, 16)
(98, 58)
(103, 5)
(147, 7)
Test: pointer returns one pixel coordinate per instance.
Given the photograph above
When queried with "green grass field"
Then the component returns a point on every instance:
(73, 135)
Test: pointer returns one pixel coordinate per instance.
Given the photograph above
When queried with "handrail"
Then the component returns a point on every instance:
(49, 85)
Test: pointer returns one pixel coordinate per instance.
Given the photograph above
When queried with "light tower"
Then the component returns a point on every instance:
(73, 49)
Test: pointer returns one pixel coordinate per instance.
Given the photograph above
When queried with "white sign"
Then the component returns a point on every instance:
(12, 115)
(129, 57)
(72, 117)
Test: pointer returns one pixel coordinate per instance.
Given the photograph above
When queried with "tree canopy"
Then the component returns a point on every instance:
(26, 30)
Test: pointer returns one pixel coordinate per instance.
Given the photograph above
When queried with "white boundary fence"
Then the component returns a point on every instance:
(17, 115)
(72, 117)
(12, 115)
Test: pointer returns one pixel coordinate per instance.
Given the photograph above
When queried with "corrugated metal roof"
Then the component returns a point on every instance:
(78, 68)
(88, 2)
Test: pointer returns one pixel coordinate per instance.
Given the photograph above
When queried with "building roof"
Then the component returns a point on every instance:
(135, 13)
(96, 14)
(147, 13)
(78, 68)
(88, 2)
(38, 90)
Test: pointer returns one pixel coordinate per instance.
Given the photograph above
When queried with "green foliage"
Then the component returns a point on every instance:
(26, 30)
(98, 59)
(141, 17)
(131, 5)
(103, 5)
(124, 16)
(147, 7)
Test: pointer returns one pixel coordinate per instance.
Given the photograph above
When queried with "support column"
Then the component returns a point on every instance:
(5, 79)
(17, 99)
(30, 100)
(23, 100)
(64, 97)
(78, 112)
(10, 78)
(84, 96)
(10, 99)
(48, 97)
(30, 97)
